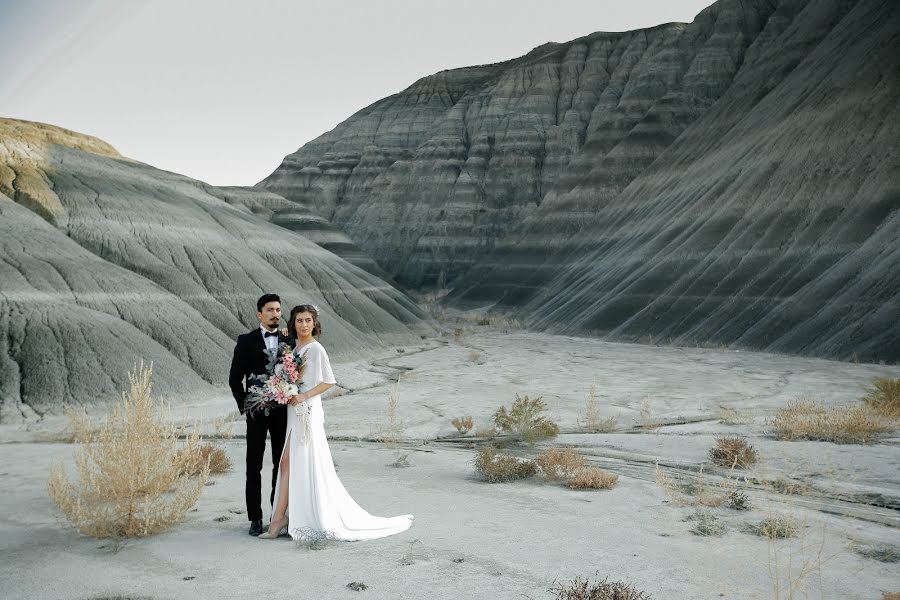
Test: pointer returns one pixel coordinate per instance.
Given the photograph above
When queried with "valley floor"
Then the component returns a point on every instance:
(471, 539)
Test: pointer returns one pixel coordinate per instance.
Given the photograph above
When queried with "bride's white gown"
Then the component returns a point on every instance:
(317, 501)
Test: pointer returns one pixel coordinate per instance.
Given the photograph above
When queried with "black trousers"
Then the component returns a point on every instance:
(276, 426)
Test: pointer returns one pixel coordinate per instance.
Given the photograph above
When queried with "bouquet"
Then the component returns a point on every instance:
(285, 374)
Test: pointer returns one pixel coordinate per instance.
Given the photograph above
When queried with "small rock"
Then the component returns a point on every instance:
(222, 518)
(458, 560)
(189, 577)
(357, 586)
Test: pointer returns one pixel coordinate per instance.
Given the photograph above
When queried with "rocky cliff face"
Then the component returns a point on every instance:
(107, 262)
(728, 181)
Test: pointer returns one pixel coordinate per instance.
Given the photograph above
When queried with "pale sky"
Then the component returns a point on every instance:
(222, 90)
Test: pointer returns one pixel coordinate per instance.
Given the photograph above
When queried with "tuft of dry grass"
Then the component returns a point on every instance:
(582, 589)
(732, 452)
(390, 432)
(593, 420)
(474, 357)
(523, 421)
(697, 492)
(788, 487)
(776, 527)
(487, 433)
(807, 419)
(495, 467)
(193, 458)
(884, 397)
(890, 596)
(885, 553)
(463, 424)
(738, 500)
(647, 420)
(560, 464)
(706, 524)
(592, 478)
(131, 482)
(731, 416)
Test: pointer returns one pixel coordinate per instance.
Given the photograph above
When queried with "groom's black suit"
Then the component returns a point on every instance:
(251, 359)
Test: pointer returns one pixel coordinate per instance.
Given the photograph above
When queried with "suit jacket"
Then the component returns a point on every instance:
(249, 359)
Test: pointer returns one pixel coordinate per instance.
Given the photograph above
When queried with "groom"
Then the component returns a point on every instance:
(250, 359)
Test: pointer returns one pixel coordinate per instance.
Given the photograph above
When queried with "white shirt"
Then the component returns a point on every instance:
(271, 341)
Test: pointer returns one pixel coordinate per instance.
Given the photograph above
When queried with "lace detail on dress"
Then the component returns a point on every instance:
(304, 422)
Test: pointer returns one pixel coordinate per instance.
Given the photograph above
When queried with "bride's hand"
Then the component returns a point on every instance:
(297, 399)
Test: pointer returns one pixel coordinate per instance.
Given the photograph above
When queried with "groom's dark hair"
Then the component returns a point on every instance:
(265, 299)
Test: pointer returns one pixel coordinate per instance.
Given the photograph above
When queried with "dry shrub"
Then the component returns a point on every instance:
(193, 458)
(706, 524)
(592, 478)
(496, 468)
(881, 552)
(401, 460)
(582, 589)
(222, 428)
(810, 420)
(731, 416)
(884, 397)
(789, 487)
(647, 420)
(463, 424)
(775, 527)
(131, 482)
(732, 452)
(524, 421)
(487, 432)
(738, 500)
(697, 492)
(390, 433)
(474, 356)
(593, 420)
(890, 596)
(560, 464)
(312, 539)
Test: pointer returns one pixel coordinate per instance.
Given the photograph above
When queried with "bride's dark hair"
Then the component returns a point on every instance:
(301, 308)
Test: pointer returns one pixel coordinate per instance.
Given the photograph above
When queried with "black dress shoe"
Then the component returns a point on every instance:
(256, 527)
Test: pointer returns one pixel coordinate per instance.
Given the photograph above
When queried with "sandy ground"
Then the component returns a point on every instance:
(471, 539)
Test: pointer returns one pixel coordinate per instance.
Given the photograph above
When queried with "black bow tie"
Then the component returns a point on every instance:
(270, 334)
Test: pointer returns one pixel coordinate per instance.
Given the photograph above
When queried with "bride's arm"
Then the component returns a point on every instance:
(319, 389)
(323, 369)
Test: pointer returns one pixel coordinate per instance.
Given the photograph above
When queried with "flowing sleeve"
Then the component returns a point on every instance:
(325, 374)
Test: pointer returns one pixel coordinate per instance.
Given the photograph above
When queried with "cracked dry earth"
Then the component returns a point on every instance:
(471, 539)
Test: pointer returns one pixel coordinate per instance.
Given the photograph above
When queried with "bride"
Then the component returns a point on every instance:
(308, 495)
